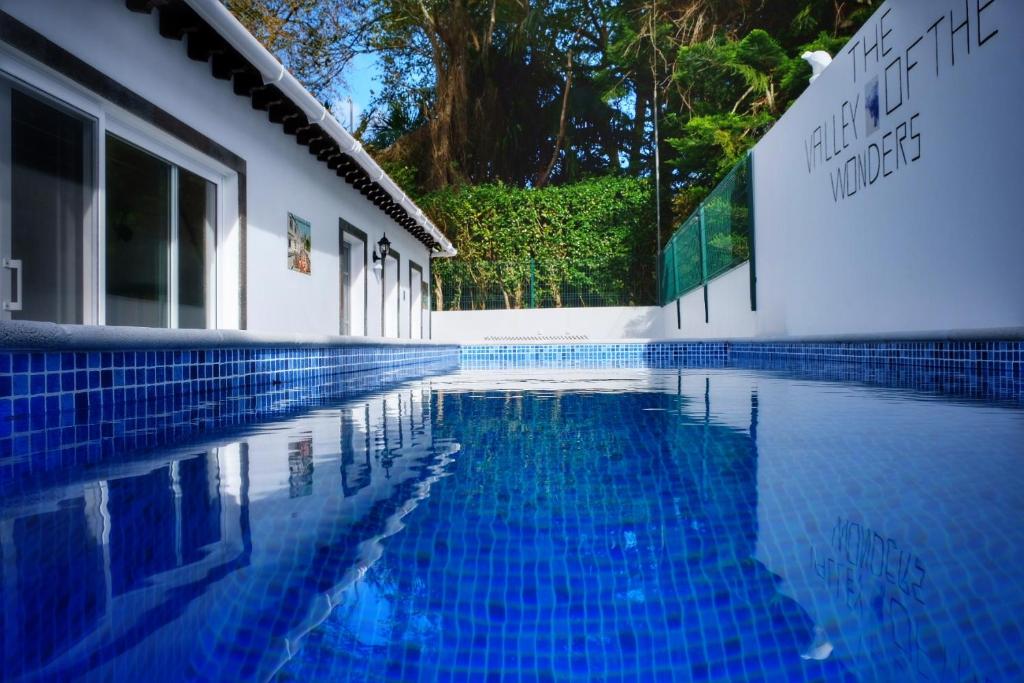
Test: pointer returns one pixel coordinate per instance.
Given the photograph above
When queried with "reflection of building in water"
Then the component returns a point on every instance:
(300, 467)
(597, 532)
(208, 566)
(90, 568)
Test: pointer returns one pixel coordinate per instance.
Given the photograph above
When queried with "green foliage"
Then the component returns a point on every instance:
(733, 90)
(595, 235)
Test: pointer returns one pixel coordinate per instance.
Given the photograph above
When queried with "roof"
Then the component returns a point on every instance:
(212, 34)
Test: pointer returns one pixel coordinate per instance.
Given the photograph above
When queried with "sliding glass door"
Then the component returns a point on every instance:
(150, 263)
(138, 236)
(46, 161)
(161, 222)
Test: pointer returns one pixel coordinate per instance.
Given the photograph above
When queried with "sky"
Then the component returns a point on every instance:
(362, 79)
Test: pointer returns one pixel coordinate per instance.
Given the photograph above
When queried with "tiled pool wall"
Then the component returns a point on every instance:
(997, 360)
(41, 443)
(997, 357)
(1004, 356)
(39, 390)
(60, 406)
(579, 355)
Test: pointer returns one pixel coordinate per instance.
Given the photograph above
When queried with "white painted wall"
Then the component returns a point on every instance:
(638, 322)
(282, 177)
(727, 314)
(932, 248)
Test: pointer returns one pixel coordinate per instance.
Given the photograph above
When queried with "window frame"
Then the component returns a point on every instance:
(10, 82)
(173, 243)
(106, 118)
(419, 309)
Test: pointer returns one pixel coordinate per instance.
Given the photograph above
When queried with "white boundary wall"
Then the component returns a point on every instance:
(915, 228)
(640, 322)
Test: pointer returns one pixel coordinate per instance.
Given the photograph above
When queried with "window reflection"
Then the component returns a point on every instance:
(162, 563)
(78, 604)
(300, 467)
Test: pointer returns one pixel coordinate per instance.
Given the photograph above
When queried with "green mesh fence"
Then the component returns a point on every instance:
(534, 284)
(715, 238)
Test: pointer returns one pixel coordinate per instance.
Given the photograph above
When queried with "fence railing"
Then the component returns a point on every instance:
(533, 283)
(715, 237)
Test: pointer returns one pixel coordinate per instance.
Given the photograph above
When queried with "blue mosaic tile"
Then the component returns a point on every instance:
(581, 355)
(44, 384)
(983, 368)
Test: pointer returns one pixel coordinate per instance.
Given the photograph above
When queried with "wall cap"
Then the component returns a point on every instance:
(38, 336)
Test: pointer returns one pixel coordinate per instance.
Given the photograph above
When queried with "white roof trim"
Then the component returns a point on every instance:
(273, 72)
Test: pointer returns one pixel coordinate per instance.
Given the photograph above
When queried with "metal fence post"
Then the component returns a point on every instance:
(751, 226)
(533, 283)
(704, 261)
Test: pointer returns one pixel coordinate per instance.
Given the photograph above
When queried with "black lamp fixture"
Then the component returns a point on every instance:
(383, 248)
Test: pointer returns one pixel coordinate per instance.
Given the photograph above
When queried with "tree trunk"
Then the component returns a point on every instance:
(438, 292)
(545, 175)
(448, 125)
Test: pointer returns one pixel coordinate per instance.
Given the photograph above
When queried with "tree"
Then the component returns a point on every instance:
(315, 39)
(558, 94)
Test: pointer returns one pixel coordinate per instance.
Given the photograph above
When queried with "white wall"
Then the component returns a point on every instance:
(729, 313)
(931, 248)
(282, 177)
(639, 322)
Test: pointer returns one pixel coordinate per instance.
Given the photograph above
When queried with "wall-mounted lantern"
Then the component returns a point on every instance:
(383, 248)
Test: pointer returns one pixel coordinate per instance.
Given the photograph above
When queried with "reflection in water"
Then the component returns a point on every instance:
(208, 565)
(300, 467)
(640, 525)
(579, 534)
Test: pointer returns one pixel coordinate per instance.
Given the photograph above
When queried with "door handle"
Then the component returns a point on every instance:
(15, 265)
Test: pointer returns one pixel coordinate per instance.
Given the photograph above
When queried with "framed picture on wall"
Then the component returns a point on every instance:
(300, 245)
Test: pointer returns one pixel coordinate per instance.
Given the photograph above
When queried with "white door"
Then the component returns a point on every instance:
(346, 287)
(390, 308)
(353, 287)
(416, 303)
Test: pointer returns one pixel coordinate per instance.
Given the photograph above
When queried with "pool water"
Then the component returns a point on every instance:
(603, 524)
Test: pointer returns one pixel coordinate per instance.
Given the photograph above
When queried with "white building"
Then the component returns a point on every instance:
(159, 168)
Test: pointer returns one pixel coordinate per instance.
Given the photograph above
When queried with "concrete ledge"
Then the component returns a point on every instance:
(33, 336)
(976, 335)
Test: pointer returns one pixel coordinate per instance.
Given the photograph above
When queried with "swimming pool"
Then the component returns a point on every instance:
(605, 524)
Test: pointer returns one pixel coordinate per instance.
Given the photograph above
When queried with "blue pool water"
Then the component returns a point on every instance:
(601, 524)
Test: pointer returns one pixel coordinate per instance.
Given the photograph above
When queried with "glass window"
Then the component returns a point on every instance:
(138, 236)
(51, 188)
(197, 201)
(160, 222)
